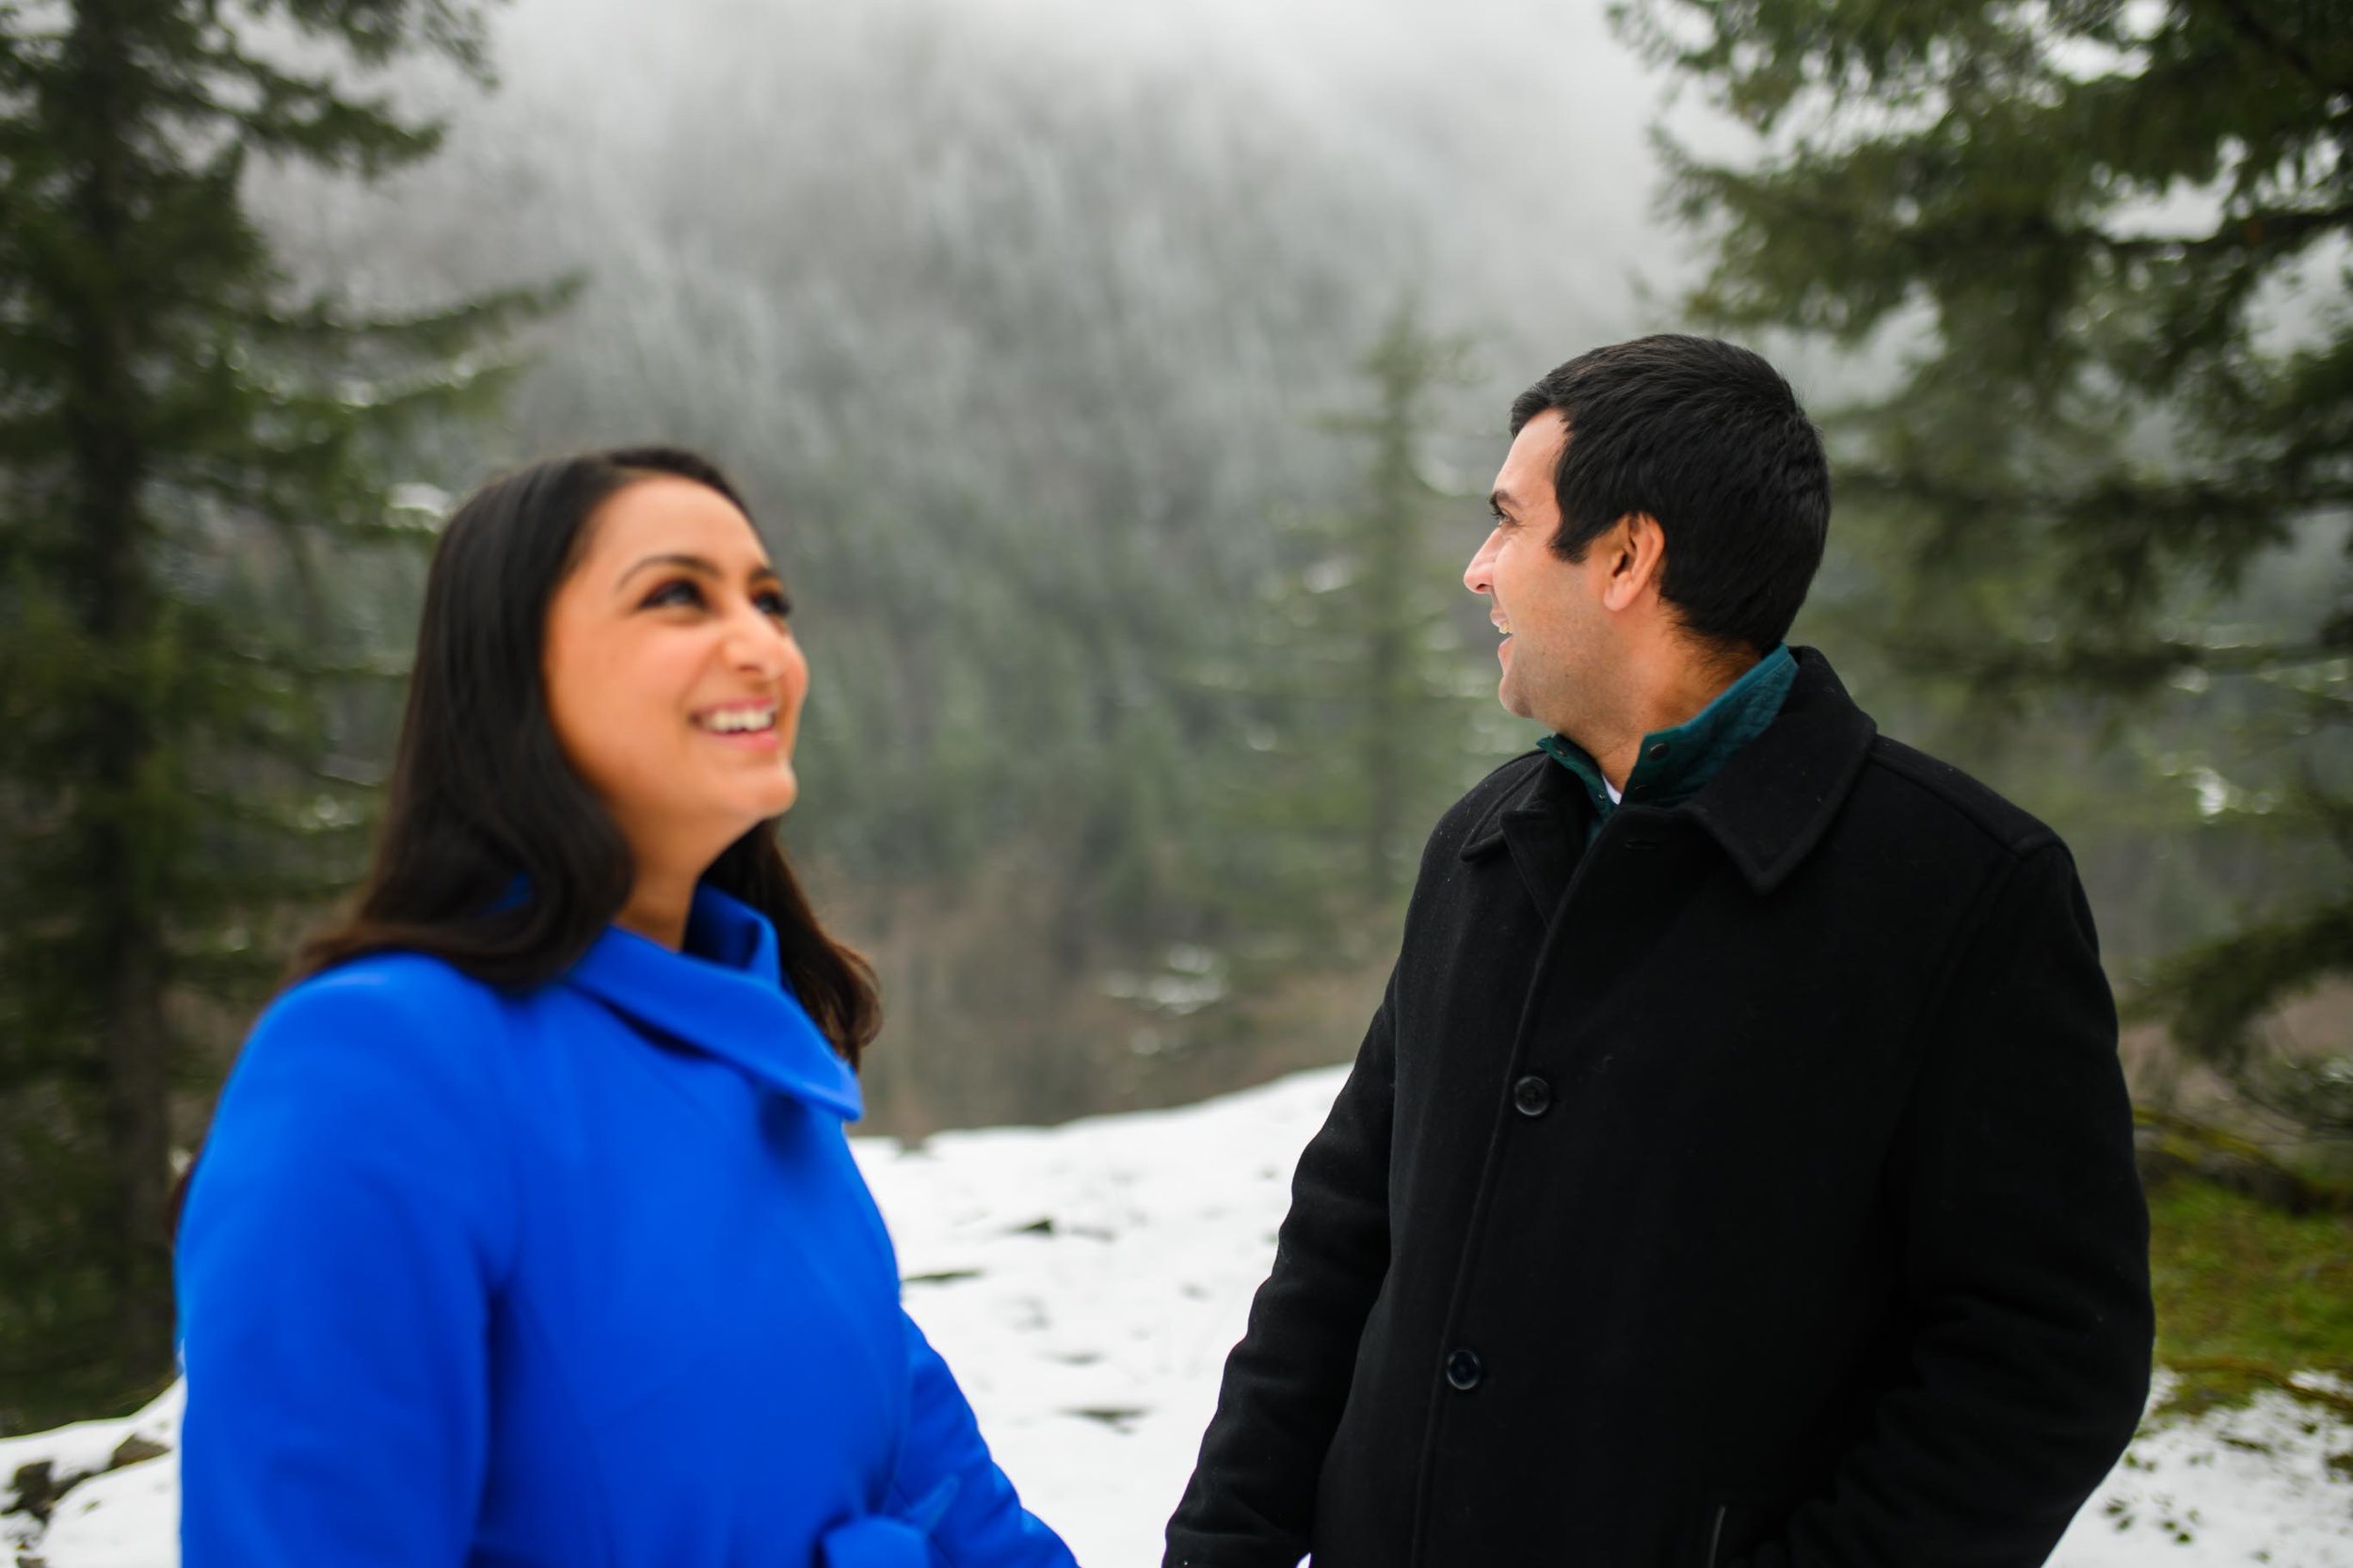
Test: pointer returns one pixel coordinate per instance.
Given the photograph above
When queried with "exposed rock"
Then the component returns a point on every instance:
(38, 1488)
(35, 1490)
(135, 1450)
(2167, 1147)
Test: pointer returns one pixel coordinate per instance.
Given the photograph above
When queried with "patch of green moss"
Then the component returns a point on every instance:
(2247, 1293)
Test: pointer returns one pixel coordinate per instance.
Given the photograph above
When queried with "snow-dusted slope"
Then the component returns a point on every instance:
(1092, 1352)
(1085, 1283)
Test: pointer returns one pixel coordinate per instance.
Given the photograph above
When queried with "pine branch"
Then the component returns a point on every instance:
(2244, 20)
(2063, 662)
(449, 329)
(297, 823)
(218, 973)
(377, 31)
(2265, 231)
(2210, 995)
(284, 660)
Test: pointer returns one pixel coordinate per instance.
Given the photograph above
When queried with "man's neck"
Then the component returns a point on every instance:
(1681, 691)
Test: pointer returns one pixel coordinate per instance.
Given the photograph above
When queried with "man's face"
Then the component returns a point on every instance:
(1557, 652)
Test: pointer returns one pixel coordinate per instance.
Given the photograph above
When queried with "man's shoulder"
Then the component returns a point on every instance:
(1926, 793)
(1490, 795)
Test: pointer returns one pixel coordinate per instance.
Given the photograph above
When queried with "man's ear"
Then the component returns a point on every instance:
(1636, 552)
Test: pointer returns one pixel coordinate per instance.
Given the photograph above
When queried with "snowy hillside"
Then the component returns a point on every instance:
(1085, 1282)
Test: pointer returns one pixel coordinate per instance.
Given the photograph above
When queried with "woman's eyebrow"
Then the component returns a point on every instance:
(700, 566)
(695, 563)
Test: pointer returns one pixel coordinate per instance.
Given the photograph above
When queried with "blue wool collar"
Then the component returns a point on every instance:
(724, 995)
(1676, 764)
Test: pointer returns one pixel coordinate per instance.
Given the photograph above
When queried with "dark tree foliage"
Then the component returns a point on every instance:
(196, 524)
(2105, 243)
(1355, 681)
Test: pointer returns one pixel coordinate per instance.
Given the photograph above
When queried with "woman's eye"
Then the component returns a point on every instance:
(775, 604)
(679, 592)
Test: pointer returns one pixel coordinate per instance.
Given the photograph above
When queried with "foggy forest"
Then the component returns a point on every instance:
(1118, 388)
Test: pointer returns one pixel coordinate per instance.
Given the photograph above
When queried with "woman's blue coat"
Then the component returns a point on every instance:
(579, 1278)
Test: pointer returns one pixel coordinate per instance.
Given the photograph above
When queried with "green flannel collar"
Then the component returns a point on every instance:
(1676, 764)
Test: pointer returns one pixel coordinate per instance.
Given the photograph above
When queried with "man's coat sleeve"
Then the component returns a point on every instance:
(1251, 1501)
(2026, 1273)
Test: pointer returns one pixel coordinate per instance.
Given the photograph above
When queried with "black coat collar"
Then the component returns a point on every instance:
(1767, 809)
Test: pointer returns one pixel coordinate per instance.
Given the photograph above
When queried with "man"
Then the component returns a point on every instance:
(1737, 1169)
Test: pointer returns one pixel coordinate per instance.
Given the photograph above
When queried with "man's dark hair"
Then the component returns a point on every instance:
(1707, 439)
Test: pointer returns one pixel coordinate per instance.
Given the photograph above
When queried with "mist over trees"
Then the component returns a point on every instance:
(1117, 387)
(1020, 347)
(1031, 343)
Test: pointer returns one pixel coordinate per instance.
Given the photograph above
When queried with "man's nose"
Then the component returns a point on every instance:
(1479, 576)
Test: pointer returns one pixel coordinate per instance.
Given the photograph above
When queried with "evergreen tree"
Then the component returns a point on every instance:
(2105, 245)
(1356, 694)
(194, 503)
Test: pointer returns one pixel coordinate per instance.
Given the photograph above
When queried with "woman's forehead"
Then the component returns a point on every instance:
(662, 514)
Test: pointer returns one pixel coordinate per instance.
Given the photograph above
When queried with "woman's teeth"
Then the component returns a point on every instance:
(738, 720)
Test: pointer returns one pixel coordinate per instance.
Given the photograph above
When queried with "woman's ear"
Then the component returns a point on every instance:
(1635, 552)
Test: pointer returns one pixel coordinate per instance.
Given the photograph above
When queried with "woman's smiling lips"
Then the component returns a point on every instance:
(747, 726)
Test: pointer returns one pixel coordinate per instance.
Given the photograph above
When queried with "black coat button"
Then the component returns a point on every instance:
(1531, 1096)
(1463, 1370)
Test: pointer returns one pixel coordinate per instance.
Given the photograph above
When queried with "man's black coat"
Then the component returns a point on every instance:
(1753, 1186)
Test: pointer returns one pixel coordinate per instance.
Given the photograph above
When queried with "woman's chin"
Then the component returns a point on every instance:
(743, 809)
(779, 798)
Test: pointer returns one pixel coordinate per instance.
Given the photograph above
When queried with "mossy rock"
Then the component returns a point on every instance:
(2168, 1147)
(2205, 1382)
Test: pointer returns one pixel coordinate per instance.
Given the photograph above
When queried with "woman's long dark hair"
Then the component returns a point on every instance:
(481, 795)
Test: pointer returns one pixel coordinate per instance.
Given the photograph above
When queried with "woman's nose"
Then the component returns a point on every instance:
(759, 643)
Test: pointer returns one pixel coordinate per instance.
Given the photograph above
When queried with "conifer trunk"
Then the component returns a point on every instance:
(1386, 672)
(1390, 560)
(170, 447)
(104, 418)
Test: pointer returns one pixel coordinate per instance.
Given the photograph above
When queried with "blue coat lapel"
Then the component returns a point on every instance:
(725, 996)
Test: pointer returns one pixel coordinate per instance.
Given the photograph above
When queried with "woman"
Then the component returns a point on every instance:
(526, 1232)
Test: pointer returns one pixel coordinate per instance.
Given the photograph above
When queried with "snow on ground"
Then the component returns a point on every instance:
(2238, 1486)
(121, 1517)
(1092, 1352)
(1085, 1282)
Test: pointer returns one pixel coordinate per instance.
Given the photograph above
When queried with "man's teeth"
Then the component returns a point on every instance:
(739, 719)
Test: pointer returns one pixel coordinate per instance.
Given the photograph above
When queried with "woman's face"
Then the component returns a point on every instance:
(673, 680)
